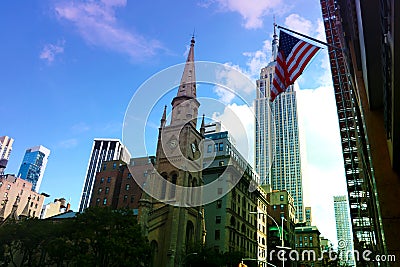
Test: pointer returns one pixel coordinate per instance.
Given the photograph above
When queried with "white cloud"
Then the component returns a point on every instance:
(252, 11)
(225, 96)
(297, 23)
(97, 24)
(68, 143)
(259, 59)
(50, 51)
(238, 120)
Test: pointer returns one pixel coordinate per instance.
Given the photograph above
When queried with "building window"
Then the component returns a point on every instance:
(219, 203)
(282, 206)
(8, 187)
(274, 207)
(132, 199)
(217, 235)
(5, 194)
(109, 180)
(97, 201)
(129, 176)
(99, 191)
(1, 184)
(125, 198)
(218, 219)
(209, 148)
(107, 190)
(127, 187)
(281, 197)
(104, 166)
(221, 163)
(219, 191)
(114, 166)
(102, 180)
(221, 146)
(105, 201)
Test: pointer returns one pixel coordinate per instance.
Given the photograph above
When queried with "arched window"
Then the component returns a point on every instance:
(173, 188)
(154, 253)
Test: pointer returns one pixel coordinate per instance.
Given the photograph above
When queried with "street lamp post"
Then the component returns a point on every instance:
(280, 231)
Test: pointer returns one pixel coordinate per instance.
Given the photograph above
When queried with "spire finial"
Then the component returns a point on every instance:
(193, 35)
(274, 43)
(202, 127)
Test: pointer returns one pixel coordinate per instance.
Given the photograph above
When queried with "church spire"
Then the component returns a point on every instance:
(185, 105)
(188, 81)
(274, 44)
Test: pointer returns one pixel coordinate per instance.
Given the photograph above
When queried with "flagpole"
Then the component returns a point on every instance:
(308, 37)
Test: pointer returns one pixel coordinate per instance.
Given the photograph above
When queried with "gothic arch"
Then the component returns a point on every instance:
(189, 234)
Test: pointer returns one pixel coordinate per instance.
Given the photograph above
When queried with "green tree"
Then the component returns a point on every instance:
(97, 237)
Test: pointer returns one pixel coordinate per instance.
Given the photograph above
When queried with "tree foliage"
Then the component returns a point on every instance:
(97, 237)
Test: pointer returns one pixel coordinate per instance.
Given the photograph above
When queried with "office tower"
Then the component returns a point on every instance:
(230, 224)
(102, 150)
(174, 227)
(277, 151)
(5, 151)
(33, 165)
(365, 71)
(18, 199)
(343, 231)
(308, 216)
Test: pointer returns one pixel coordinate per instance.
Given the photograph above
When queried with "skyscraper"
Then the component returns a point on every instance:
(33, 165)
(5, 151)
(102, 150)
(277, 152)
(343, 232)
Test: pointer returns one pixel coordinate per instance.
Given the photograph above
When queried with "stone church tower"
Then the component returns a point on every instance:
(174, 220)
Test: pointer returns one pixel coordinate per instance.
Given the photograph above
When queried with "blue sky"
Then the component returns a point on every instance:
(69, 69)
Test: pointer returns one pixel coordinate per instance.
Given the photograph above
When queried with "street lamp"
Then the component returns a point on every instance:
(280, 231)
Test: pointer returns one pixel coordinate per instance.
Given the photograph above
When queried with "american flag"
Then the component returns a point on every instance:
(293, 56)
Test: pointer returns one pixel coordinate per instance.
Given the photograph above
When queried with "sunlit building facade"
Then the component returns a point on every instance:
(277, 151)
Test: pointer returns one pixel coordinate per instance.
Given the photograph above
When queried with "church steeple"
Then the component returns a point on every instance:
(274, 44)
(184, 105)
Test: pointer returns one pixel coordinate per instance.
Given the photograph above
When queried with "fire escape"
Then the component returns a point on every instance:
(364, 211)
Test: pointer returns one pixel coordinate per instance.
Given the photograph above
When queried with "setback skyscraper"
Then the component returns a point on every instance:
(102, 150)
(345, 240)
(33, 165)
(277, 152)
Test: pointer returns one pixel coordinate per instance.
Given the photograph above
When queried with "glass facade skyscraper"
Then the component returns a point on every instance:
(33, 165)
(277, 151)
